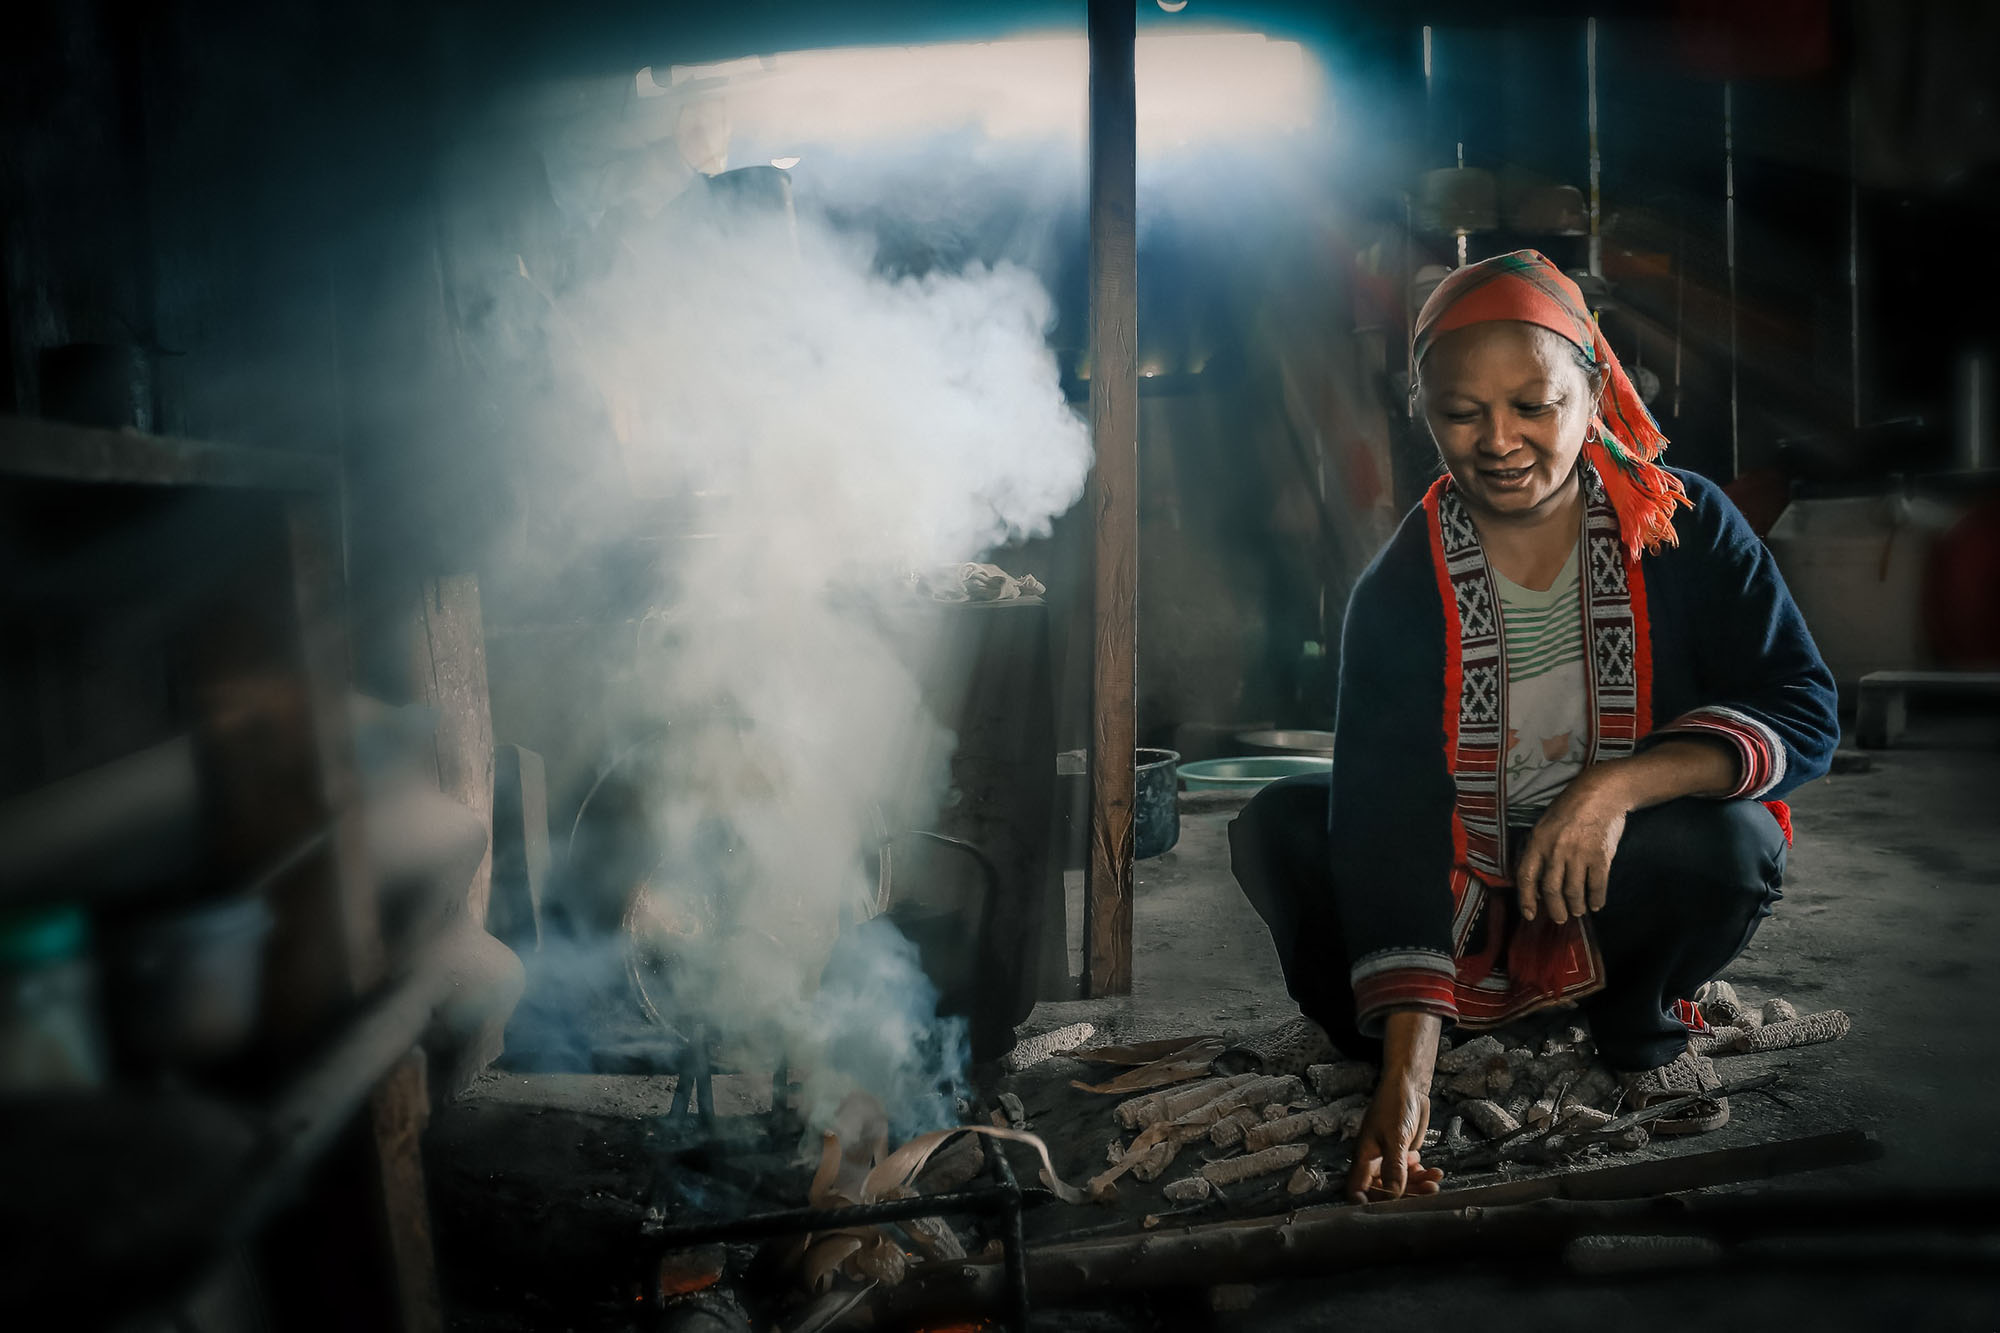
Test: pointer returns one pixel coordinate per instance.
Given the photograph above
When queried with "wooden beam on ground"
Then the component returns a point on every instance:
(1528, 1220)
(1114, 497)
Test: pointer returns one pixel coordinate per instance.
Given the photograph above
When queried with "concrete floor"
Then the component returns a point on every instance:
(1891, 912)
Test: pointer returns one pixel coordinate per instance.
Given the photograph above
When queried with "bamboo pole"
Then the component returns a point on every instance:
(1114, 429)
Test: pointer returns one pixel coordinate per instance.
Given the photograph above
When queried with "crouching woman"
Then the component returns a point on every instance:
(1573, 688)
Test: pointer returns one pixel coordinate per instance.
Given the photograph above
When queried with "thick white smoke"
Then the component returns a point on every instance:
(834, 431)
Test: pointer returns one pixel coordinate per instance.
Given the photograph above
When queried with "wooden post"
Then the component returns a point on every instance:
(399, 1109)
(1114, 429)
(452, 675)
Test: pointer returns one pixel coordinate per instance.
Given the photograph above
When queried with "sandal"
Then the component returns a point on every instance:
(1684, 1075)
(1285, 1049)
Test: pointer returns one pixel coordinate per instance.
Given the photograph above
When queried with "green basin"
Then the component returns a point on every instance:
(1250, 772)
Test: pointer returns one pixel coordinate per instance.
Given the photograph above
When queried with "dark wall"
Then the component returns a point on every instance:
(269, 199)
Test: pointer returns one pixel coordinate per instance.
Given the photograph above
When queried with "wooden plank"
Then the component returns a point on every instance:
(400, 1108)
(57, 451)
(453, 677)
(399, 1103)
(267, 673)
(1114, 429)
(315, 534)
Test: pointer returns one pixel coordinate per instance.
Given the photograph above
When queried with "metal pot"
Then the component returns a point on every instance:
(1293, 740)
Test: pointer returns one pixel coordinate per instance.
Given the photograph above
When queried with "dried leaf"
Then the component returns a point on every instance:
(1147, 1139)
(826, 1256)
(820, 1193)
(902, 1165)
(1140, 1053)
(860, 1135)
(1189, 1062)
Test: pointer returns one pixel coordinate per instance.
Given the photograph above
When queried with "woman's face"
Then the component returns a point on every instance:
(1509, 408)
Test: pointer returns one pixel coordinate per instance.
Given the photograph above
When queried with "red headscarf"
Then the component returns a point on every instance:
(1624, 439)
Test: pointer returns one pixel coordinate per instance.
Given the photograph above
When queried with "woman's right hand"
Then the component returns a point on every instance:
(1386, 1156)
(1387, 1164)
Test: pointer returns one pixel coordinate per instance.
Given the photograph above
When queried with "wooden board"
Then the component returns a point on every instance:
(58, 451)
(453, 676)
(399, 1110)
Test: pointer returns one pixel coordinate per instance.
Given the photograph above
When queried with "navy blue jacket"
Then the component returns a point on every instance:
(1730, 657)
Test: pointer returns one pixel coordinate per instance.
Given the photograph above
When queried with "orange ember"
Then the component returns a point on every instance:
(685, 1272)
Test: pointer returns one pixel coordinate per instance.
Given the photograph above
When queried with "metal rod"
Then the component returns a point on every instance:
(1596, 260)
(1013, 1243)
(704, 1082)
(1853, 255)
(1461, 235)
(1729, 250)
(987, 1201)
(1429, 82)
(1680, 297)
(1409, 315)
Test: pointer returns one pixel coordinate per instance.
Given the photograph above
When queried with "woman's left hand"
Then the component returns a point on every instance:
(1565, 861)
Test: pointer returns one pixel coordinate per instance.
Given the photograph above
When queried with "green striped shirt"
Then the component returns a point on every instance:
(1546, 717)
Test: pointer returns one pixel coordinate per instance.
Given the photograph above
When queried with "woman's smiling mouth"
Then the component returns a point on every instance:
(1507, 479)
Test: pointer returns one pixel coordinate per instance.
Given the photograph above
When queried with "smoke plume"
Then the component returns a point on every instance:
(833, 431)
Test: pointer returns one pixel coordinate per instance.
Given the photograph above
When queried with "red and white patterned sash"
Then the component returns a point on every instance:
(1619, 668)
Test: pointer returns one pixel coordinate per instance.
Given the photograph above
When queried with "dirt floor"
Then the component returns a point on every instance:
(1891, 913)
(543, 1184)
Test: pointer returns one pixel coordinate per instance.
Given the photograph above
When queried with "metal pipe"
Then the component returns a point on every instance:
(991, 1200)
(1729, 250)
(1680, 298)
(1409, 315)
(1972, 422)
(1013, 1243)
(1853, 258)
(1596, 261)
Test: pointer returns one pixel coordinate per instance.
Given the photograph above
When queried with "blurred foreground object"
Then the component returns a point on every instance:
(49, 1035)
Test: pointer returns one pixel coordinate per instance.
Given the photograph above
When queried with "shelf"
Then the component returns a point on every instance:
(126, 1195)
(56, 451)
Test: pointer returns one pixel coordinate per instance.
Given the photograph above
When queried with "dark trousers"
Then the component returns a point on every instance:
(1691, 882)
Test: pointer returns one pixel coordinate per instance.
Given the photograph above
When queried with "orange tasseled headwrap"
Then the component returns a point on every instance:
(1624, 439)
